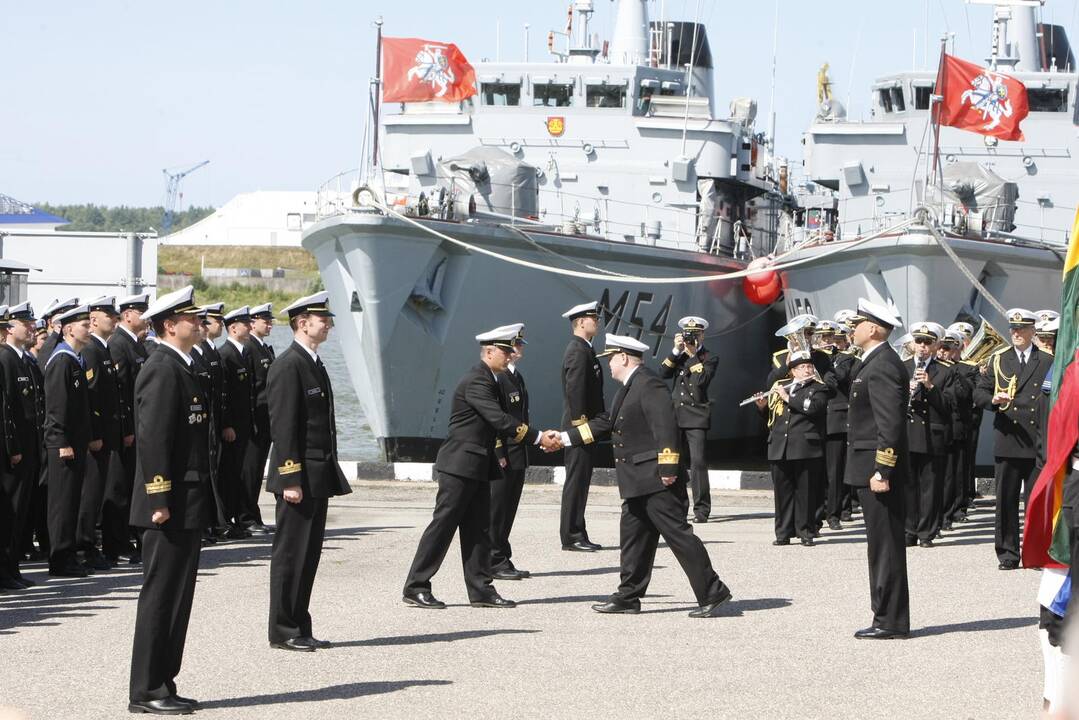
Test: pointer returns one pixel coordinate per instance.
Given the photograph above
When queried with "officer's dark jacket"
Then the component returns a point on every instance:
(929, 422)
(798, 427)
(477, 419)
(964, 377)
(239, 410)
(692, 376)
(110, 421)
(25, 395)
(302, 427)
(643, 432)
(515, 399)
(212, 359)
(821, 360)
(128, 355)
(844, 362)
(582, 383)
(1015, 428)
(261, 359)
(68, 420)
(172, 465)
(877, 419)
(200, 366)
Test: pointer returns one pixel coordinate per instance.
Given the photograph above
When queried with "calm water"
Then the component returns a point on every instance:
(354, 438)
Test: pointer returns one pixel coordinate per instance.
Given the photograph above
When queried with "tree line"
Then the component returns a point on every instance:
(101, 218)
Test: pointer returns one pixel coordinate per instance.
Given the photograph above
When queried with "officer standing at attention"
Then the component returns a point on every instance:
(962, 389)
(844, 360)
(513, 459)
(876, 466)
(693, 368)
(51, 317)
(213, 326)
(582, 396)
(238, 425)
(1010, 390)
(644, 433)
(305, 473)
(258, 450)
(69, 435)
(465, 466)
(170, 502)
(970, 371)
(200, 366)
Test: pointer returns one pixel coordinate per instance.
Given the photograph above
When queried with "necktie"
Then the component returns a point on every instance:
(1022, 361)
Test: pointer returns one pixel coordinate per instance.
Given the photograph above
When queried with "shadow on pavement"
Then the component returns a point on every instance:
(347, 691)
(585, 571)
(1012, 623)
(732, 608)
(429, 638)
(573, 599)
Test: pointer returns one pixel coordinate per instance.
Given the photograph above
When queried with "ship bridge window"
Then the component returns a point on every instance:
(552, 94)
(922, 93)
(886, 100)
(501, 94)
(605, 96)
(1047, 99)
(891, 99)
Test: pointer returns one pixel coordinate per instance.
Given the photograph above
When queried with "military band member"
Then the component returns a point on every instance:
(25, 394)
(970, 371)
(69, 436)
(238, 425)
(1045, 334)
(797, 425)
(644, 432)
(170, 501)
(258, 450)
(693, 367)
(465, 466)
(513, 459)
(51, 316)
(876, 466)
(962, 393)
(212, 328)
(806, 326)
(1010, 390)
(838, 496)
(929, 424)
(582, 395)
(304, 473)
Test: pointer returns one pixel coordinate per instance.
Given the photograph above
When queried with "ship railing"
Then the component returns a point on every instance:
(334, 196)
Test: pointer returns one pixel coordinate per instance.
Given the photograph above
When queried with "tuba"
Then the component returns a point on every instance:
(984, 343)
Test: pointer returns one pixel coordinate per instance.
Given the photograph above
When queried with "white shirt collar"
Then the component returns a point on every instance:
(1025, 355)
(130, 334)
(869, 352)
(625, 380)
(104, 343)
(178, 351)
(237, 344)
(257, 339)
(512, 367)
(312, 353)
(198, 349)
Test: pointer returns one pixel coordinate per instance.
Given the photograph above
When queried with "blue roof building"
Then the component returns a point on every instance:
(16, 212)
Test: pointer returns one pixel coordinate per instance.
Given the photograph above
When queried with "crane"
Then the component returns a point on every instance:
(172, 189)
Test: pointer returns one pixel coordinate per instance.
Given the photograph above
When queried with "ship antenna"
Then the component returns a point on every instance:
(376, 93)
(689, 74)
(772, 95)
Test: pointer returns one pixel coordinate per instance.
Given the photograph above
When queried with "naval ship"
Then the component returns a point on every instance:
(600, 161)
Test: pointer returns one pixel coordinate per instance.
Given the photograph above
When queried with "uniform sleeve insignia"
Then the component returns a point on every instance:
(498, 443)
(586, 433)
(522, 430)
(667, 362)
(886, 457)
(699, 367)
(580, 421)
(290, 467)
(158, 485)
(668, 457)
(89, 375)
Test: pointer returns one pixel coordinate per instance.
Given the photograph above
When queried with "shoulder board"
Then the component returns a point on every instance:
(946, 363)
(971, 363)
(827, 350)
(776, 355)
(1047, 352)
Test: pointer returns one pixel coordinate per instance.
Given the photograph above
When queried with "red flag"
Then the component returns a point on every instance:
(421, 70)
(980, 100)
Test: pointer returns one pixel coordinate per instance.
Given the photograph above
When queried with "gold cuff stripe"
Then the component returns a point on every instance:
(668, 457)
(699, 367)
(522, 430)
(159, 485)
(886, 457)
(580, 421)
(586, 433)
(667, 362)
(290, 467)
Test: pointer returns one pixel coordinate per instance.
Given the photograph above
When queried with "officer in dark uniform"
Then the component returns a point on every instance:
(37, 525)
(797, 420)
(200, 366)
(582, 396)
(238, 425)
(213, 326)
(304, 473)
(69, 436)
(258, 450)
(644, 435)
(513, 459)
(844, 360)
(970, 371)
(465, 466)
(962, 389)
(170, 501)
(693, 367)
(876, 466)
(51, 315)
(1010, 390)
(929, 424)
(128, 354)
(25, 396)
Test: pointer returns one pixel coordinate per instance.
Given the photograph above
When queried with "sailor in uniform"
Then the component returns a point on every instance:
(513, 459)
(644, 434)
(238, 423)
(582, 395)
(970, 371)
(962, 390)
(1010, 391)
(258, 450)
(69, 435)
(305, 472)
(212, 317)
(465, 466)
(170, 501)
(876, 465)
(844, 360)
(693, 367)
(51, 316)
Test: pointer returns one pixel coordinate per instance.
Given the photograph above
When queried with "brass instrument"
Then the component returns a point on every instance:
(983, 344)
(797, 342)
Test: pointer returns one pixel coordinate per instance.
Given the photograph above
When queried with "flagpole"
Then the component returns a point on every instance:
(376, 90)
(936, 100)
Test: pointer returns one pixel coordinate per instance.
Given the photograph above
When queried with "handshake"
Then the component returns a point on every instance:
(551, 441)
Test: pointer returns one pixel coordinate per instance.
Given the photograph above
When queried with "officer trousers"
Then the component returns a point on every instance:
(695, 462)
(955, 487)
(230, 474)
(92, 500)
(924, 492)
(37, 522)
(885, 524)
(65, 493)
(16, 487)
(170, 563)
(970, 469)
(835, 460)
(254, 468)
(506, 491)
(579, 462)
(645, 519)
(116, 530)
(795, 506)
(461, 504)
(219, 492)
(297, 549)
(1011, 475)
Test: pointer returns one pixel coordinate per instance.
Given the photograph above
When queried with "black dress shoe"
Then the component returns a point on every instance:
(508, 574)
(237, 533)
(781, 541)
(845, 517)
(618, 607)
(135, 559)
(423, 599)
(1008, 565)
(522, 573)
(319, 644)
(70, 570)
(833, 524)
(946, 527)
(9, 582)
(808, 541)
(591, 545)
(699, 519)
(925, 543)
(260, 530)
(194, 704)
(494, 601)
(876, 633)
(711, 609)
(97, 561)
(164, 706)
(298, 644)
(912, 541)
(580, 546)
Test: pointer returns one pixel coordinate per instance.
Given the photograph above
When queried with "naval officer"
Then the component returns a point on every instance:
(465, 466)
(170, 501)
(877, 466)
(513, 459)
(212, 317)
(51, 316)
(258, 450)
(238, 423)
(304, 474)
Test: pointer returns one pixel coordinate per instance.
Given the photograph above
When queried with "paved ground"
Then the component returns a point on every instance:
(784, 649)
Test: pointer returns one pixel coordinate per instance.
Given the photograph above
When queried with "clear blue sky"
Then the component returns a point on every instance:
(100, 96)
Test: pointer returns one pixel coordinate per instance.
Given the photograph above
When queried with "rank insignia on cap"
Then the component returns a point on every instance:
(1017, 317)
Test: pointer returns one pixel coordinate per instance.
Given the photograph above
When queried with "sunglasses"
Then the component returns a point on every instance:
(923, 341)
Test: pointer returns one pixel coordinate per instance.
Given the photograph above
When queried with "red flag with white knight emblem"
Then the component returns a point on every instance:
(980, 100)
(418, 70)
